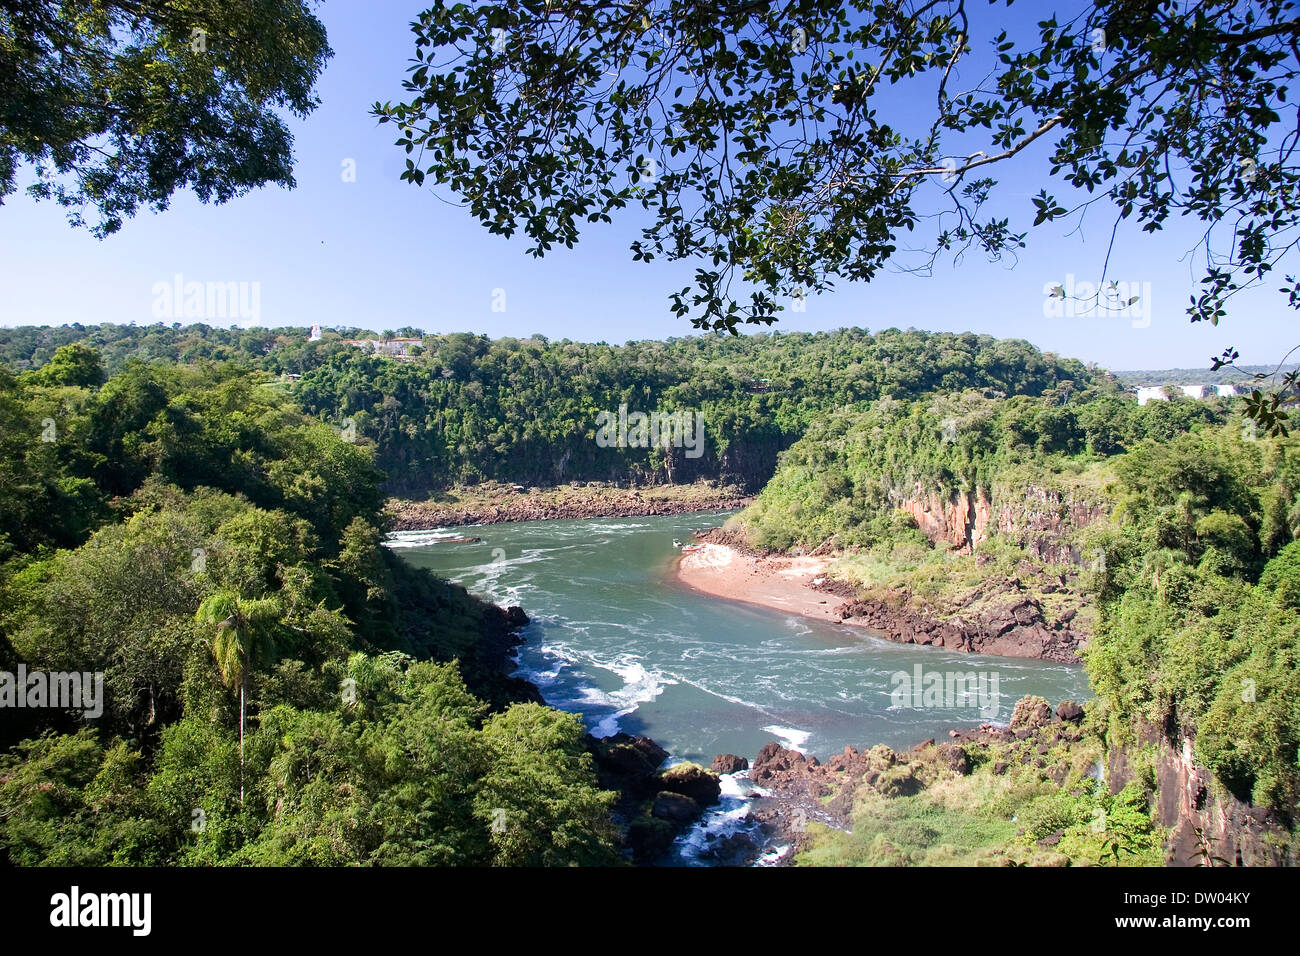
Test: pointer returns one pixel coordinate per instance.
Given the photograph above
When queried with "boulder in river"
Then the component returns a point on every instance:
(675, 807)
(729, 763)
(627, 763)
(693, 781)
(774, 759)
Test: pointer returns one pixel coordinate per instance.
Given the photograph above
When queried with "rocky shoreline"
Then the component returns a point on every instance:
(1006, 617)
(803, 789)
(495, 504)
(1019, 630)
(655, 805)
(796, 789)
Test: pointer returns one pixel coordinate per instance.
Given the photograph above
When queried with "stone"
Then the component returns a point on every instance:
(675, 808)
(729, 763)
(1068, 710)
(1030, 713)
(691, 780)
(954, 758)
(1052, 838)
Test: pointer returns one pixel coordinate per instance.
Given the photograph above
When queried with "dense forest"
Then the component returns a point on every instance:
(277, 688)
(1199, 605)
(843, 481)
(466, 408)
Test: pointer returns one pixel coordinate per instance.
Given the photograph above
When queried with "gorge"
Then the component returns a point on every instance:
(614, 638)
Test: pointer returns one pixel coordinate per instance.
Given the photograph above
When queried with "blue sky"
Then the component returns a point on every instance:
(380, 253)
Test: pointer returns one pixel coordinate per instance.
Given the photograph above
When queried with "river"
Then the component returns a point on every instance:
(615, 638)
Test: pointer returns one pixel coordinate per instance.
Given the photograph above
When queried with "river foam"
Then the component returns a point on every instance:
(792, 738)
(728, 818)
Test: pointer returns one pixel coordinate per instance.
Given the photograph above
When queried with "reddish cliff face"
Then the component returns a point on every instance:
(1206, 826)
(961, 519)
(1039, 519)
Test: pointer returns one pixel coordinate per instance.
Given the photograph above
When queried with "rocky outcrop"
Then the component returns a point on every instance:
(1208, 827)
(802, 788)
(1038, 519)
(1020, 628)
(569, 502)
(961, 518)
(729, 763)
(1029, 714)
(655, 806)
(627, 764)
(675, 808)
(1070, 711)
(488, 664)
(692, 781)
(1043, 521)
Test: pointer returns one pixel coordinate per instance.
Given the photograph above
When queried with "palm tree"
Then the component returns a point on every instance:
(243, 635)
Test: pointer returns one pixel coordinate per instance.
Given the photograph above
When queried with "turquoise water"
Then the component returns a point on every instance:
(616, 639)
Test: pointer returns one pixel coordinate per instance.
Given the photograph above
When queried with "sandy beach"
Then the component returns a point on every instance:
(781, 583)
(1011, 627)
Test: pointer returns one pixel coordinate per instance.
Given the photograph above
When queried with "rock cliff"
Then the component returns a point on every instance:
(1207, 826)
(1041, 520)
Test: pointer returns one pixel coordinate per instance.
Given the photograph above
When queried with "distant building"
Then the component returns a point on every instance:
(1147, 393)
(395, 347)
(315, 334)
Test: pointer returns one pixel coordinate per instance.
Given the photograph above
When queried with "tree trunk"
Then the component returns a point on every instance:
(243, 684)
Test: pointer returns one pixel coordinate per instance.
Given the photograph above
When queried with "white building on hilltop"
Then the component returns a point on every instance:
(1147, 393)
(398, 348)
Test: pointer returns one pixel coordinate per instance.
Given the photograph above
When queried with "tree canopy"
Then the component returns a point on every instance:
(118, 104)
(785, 146)
(278, 688)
